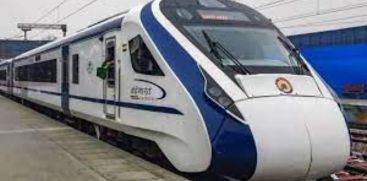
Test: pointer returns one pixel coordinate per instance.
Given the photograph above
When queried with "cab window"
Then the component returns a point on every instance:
(142, 59)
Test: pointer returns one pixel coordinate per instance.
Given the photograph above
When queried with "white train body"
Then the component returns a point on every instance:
(265, 124)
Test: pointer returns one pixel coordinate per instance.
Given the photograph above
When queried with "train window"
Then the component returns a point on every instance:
(16, 77)
(183, 13)
(142, 59)
(110, 60)
(110, 51)
(75, 68)
(40, 72)
(38, 57)
(212, 4)
(21, 73)
(2, 74)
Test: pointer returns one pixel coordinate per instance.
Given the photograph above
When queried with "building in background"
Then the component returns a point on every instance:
(340, 57)
(12, 48)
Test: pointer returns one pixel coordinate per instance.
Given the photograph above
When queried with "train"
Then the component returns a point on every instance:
(213, 83)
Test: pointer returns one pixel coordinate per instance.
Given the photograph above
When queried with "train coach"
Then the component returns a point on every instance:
(5, 76)
(212, 82)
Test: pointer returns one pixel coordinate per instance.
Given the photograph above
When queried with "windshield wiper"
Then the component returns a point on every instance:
(294, 53)
(215, 46)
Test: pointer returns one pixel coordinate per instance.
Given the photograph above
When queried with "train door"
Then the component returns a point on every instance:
(9, 79)
(109, 85)
(65, 79)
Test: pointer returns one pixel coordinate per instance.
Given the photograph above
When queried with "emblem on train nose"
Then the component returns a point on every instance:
(284, 85)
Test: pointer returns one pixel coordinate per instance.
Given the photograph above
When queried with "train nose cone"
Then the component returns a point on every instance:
(296, 138)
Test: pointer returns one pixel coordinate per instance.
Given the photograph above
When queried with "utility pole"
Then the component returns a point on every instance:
(25, 30)
(318, 6)
(25, 27)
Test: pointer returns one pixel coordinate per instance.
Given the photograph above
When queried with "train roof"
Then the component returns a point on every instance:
(6, 61)
(220, 12)
(92, 31)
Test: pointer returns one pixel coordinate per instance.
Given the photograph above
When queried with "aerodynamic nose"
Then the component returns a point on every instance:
(296, 138)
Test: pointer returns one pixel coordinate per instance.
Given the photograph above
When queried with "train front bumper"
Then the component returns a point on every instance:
(296, 138)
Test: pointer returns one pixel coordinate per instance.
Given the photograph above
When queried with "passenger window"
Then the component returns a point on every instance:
(110, 51)
(141, 58)
(75, 68)
(45, 71)
(38, 57)
(2, 74)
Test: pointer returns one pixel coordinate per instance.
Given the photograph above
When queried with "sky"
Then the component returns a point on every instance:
(28, 11)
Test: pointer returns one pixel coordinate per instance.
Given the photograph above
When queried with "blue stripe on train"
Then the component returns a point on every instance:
(185, 68)
(234, 150)
(144, 107)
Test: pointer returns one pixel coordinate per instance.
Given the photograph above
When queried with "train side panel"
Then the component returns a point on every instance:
(37, 79)
(156, 104)
(87, 96)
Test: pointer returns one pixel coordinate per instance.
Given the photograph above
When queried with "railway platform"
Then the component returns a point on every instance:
(34, 147)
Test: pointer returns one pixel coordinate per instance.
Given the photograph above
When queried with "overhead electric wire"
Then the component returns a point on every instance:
(269, 4)
(323, 22)
(77, 11)
(70, 15)
(329, 24)
(282, 3)
(328, 11)
(50, 11)
(263, 6)
(43, 17)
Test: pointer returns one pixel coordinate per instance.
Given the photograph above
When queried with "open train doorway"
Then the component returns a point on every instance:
(109, 85)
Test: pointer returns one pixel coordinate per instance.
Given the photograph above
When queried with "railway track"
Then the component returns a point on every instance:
(357, 165)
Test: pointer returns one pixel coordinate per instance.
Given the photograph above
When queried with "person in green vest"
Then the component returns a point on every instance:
(102, 72)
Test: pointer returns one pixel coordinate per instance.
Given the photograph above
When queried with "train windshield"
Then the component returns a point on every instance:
(255, 50)
(250, 46)
(234, 36)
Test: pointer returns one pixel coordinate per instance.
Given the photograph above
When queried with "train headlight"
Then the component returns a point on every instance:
(225, 101)
(218, 94)
(220, 97)
(215, 91)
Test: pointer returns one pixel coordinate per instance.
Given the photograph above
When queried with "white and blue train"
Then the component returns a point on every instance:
(212, 82)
